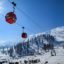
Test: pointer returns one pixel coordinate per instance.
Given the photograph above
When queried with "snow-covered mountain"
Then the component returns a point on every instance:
(37, 41)
(54, 36)
(58, 33)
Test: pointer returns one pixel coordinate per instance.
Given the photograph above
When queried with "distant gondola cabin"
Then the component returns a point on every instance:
(24, 35)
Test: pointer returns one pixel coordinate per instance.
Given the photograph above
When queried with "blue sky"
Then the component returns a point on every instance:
(37, 16)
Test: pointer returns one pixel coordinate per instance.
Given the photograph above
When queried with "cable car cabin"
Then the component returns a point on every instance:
(10, 18)
(13, 62)
(24, 35)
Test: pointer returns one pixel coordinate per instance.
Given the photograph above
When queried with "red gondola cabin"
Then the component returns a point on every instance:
(10, 17)
(24, 35)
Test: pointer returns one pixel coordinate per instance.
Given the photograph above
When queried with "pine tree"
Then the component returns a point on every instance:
(19, 49)
(28, 46)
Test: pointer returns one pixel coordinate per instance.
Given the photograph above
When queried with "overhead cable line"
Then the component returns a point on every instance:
(25, 27)
(32, 20)
(22, 26)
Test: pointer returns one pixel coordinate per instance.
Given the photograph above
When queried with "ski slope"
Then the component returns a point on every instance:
(58, 59)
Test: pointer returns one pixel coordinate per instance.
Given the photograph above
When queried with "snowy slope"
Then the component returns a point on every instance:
(58, 59)
(58, 33)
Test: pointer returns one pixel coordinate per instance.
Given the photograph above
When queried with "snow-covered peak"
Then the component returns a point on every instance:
(58, 33)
